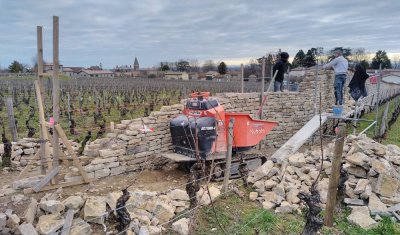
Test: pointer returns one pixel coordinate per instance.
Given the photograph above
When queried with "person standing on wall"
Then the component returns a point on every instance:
(281, 66)
(340, 66)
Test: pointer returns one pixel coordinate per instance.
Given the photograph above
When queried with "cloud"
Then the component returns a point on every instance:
(114, 32)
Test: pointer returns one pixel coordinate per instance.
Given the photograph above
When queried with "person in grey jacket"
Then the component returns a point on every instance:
(340, 66)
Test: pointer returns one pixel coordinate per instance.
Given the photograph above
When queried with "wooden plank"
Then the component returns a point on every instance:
(39, 50)
(43, 131)
(40, 99)
(46, 179)
(60, 185)
(28, 166)
(242, 73)
(298, 139)
(68, 222)
(11, 119)
(70, 150)
(27, 229)
(56, 93)
(335, 175)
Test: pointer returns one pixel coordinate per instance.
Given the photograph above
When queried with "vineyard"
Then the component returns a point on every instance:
(87, 106)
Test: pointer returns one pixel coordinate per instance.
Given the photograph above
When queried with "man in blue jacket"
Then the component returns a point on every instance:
(340, 66)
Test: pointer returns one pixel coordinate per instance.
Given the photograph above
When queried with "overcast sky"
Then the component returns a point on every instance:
(114, 32)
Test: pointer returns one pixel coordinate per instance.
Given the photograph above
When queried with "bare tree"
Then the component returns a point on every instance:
(396, 61)
(252, 68)
(360, 54)
(208, 65)
(194, 65)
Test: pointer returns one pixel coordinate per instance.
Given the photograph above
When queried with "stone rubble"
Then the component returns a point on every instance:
(373, 180)
(150, 212)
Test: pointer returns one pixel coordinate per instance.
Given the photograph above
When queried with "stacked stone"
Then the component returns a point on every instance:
(129, 147)
(25, 149)
(372, 188)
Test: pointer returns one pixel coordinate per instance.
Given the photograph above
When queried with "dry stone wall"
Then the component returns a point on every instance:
(128, 148)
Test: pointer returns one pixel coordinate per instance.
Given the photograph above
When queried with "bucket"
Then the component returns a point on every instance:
(337, 110)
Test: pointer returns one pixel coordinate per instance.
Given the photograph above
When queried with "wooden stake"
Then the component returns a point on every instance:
(67, 144)
(227, 172)
(40, 100)
(68, 222)
(262, 87)
(334, 179)
(242, 71)
(50, 187)
(11, 119)
(56, 94)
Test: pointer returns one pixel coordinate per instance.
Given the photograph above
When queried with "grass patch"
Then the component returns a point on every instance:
(393, 134)
(241, 216)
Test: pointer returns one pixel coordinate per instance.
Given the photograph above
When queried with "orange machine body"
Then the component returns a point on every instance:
(208, 119)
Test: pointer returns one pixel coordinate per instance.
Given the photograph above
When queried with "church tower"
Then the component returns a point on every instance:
(136, 65)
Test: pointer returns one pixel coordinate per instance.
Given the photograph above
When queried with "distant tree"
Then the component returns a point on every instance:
(381, 58)
(252, 68)
(359, 54)
(346, 52)
(164, 67)
(270, 60)
(208, 65)
(396, 61)
(299, 59)
(183, 66)
(365, 64)
(15, 67)
(194, 65)
(222, 68)
(310, 58)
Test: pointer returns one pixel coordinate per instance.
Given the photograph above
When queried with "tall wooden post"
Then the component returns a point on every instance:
(40, 98)
(378, 89)
(11, 119)
(262, 86)
(227, 172)
(335, 176)
(262, 95)
(56, 95)
(242, 72)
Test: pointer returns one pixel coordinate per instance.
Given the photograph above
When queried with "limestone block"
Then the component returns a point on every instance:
(102, 173)
(117, 170)
(94, 210)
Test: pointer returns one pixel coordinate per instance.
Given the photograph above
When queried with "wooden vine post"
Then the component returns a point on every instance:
(227, 172)
(56, 96)
(334, 179)
(50, 181)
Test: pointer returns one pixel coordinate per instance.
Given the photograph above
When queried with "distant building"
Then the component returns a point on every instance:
(72, 71)
(128, 70)
(136, 64)
(95, 67)
(48, 68)
(95, 73)
(210, 75)
(176, 75)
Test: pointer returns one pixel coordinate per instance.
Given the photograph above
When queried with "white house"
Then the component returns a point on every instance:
(176, 76)
(95, 73)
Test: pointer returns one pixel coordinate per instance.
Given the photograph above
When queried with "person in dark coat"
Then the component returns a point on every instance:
(281, 66)
(357, 83)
